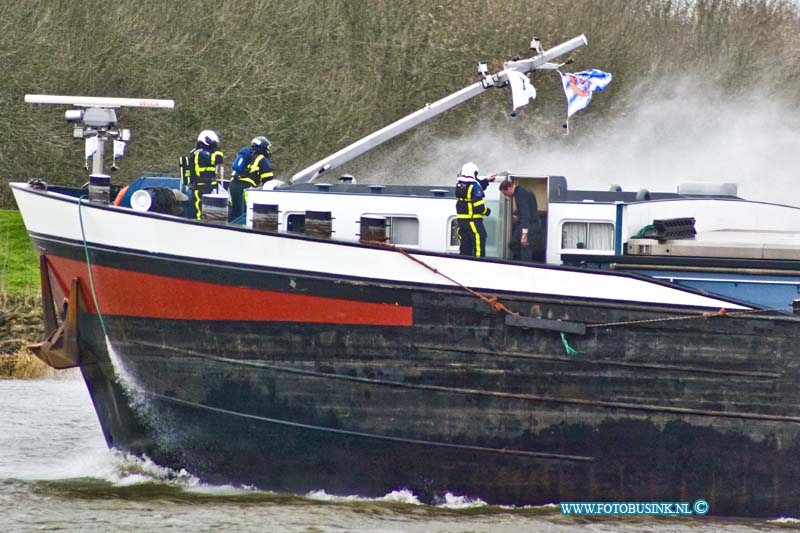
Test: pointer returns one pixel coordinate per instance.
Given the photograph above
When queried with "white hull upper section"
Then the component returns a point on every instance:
(59, 216)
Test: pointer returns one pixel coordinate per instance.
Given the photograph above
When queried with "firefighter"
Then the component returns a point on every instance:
(260, 168)
(252, 168)
(471, 209)
(199, 170)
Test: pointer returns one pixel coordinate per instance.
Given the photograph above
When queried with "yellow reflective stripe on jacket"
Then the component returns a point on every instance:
(467, 207)
(197, 168)
(252, 168)
(471, 210)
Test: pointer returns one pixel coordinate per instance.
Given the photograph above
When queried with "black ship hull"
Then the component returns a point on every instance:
(442, 394)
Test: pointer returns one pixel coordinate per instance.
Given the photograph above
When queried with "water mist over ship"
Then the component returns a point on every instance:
(655, 136)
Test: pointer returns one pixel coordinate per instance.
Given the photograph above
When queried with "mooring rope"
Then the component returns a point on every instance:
(496, 304)
(89, 267)
(499, 307)
(705, 315)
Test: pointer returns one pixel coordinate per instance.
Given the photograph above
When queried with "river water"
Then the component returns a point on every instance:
(56, 474)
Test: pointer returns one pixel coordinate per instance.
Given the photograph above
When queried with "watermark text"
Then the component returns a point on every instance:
(699, 507)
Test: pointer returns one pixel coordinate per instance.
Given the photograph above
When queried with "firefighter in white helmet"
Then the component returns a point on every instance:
(471, 209)
(199, 169)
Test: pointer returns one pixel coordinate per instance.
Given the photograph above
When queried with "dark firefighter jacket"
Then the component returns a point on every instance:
(470, 198)
(199, 167)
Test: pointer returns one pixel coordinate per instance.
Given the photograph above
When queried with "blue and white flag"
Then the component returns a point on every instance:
(522, 90)
(119, 149)
(579, 87)
(89, 149)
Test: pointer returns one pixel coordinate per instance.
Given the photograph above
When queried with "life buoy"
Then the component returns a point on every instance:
(120, 195)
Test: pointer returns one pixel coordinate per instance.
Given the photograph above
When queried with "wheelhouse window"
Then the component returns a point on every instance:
(455, 238)
(403, 230)
(587, 236)
(296, 223)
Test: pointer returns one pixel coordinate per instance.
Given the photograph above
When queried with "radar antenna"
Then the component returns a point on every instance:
(95, 121)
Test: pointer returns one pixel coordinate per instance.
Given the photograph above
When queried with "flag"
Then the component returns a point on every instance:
(522, 90)
(119, 149)
(89, 149)
(579, 87)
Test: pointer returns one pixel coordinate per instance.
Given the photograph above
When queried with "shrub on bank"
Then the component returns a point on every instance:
(20, 326)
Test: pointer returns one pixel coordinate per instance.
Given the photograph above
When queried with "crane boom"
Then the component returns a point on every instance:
(539, 61)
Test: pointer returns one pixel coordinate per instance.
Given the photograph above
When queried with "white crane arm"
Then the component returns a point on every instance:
(539, 61)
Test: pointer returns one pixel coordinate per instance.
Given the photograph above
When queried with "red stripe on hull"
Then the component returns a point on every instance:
(129, 293)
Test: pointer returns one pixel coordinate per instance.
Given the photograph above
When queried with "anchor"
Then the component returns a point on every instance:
(61, 347)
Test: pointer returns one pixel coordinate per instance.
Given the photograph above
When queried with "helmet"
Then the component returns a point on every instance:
(261, 144)
(469, 170)
(208, 139)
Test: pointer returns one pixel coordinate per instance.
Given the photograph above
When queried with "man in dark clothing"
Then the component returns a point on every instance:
(470, 210)
(257, 171)
(199, 169)
(526, 230)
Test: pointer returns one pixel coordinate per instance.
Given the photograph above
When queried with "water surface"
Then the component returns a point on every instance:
(56, 474)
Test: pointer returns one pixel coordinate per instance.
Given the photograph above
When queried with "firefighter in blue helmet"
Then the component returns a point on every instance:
(260, 168)
(471, 209)
(248, 168)
(199, 169)
(256, 171)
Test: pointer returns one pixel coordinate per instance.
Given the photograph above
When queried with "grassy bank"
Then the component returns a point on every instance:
(20, 309)
(19, 268)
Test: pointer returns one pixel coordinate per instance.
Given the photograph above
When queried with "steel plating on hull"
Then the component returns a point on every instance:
(437, 391)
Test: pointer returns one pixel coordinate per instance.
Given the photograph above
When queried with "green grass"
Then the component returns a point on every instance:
(19, 268)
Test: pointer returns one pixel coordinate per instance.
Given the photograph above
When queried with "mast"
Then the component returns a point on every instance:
(541, 60)
(96, 122)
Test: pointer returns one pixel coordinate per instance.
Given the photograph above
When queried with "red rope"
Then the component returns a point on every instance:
(495, 304)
